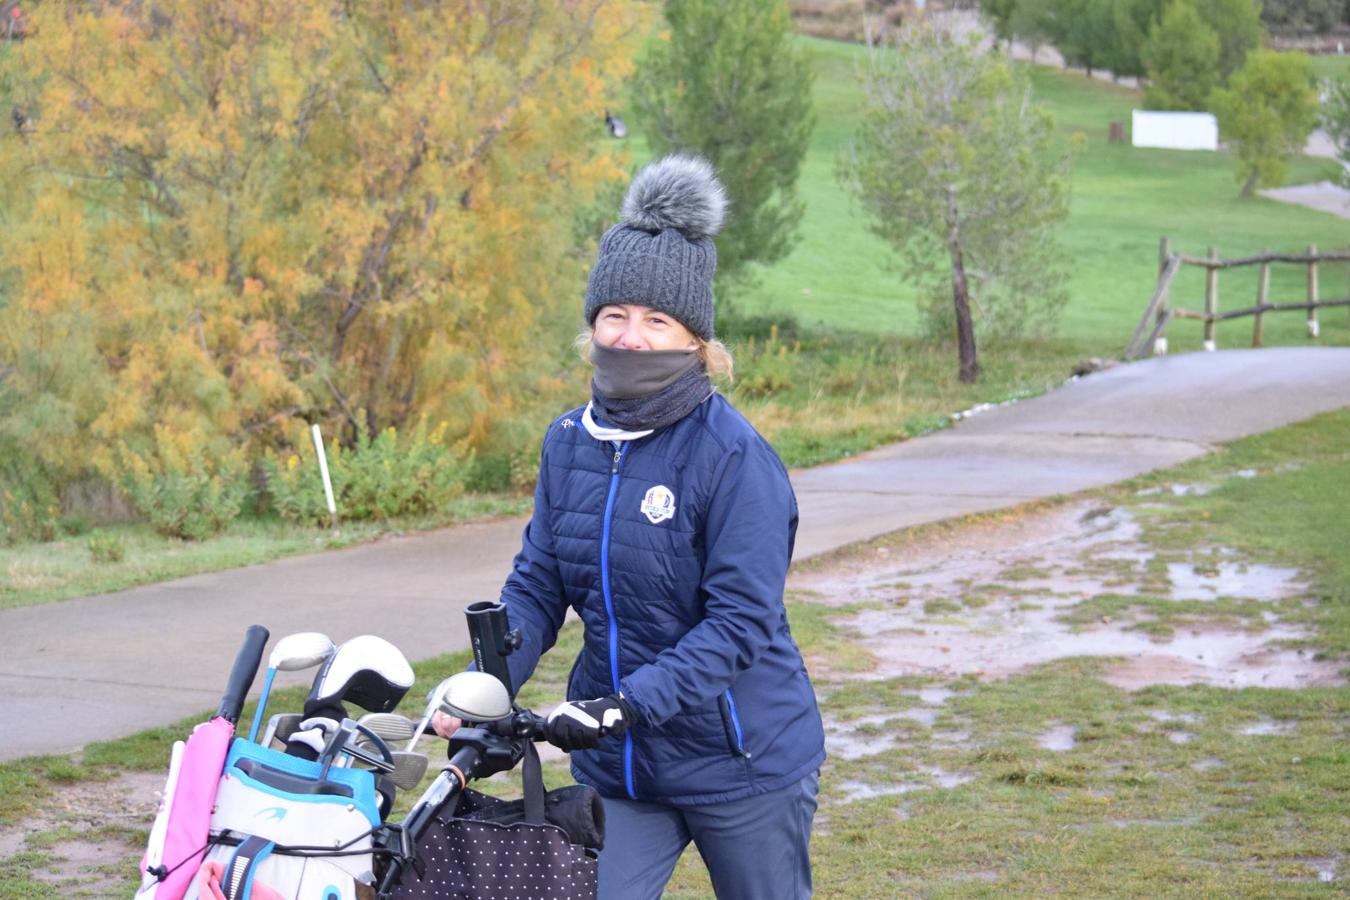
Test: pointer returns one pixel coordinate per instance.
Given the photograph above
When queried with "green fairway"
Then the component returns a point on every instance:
(1124, 199)
(1330, 66)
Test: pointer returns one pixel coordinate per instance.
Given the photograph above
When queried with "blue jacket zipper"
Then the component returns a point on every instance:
(736, 725)
(609, 610)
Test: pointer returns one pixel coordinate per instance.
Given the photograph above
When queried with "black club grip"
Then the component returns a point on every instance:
(242, 672)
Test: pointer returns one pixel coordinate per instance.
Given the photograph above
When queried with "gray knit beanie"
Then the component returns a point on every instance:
(661, 253)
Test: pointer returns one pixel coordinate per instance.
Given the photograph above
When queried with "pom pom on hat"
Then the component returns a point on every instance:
(679, 192)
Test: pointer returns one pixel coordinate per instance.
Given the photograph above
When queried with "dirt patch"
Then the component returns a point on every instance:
(997, 598)
(91, 831)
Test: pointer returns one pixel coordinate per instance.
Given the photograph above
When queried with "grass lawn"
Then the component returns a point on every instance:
(1168, 791)
(1329, 66)
(66, 567)
(1123, 201)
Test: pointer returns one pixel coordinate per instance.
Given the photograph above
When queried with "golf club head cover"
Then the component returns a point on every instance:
(311, 737)
(580, 724)
(366, 670)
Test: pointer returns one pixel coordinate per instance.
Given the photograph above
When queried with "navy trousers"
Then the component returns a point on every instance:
(755, 849)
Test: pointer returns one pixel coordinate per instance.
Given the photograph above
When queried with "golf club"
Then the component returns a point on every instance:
(408, 767)
(433, 704)
(391, 727)
(475, 697)
(280, 728)
(292, 653)
(366, 670)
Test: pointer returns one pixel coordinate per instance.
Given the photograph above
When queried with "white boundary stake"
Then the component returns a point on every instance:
(323, 470)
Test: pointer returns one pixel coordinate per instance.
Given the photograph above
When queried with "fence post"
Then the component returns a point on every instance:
(1211, 300)
(1262, 292)
(1164, 251)
(1312, 291)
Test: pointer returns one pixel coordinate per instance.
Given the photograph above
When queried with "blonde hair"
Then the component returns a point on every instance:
(714, 354)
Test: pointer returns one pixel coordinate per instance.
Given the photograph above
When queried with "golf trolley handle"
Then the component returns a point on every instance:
(241, 674)
(492, 639)
(477, 750)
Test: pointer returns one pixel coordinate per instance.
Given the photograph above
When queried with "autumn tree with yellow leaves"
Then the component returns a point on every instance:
(224, 221)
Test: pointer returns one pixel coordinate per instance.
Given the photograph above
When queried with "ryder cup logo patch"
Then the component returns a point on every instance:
(658, 505)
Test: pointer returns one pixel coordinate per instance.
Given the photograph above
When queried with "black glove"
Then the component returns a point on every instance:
(580, 724)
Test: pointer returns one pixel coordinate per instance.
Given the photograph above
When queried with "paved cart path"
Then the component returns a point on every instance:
(110, 665)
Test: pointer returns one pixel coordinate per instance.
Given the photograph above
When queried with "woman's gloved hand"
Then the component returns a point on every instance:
(580, 724)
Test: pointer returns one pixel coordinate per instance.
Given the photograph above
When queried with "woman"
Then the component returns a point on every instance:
(667, 523)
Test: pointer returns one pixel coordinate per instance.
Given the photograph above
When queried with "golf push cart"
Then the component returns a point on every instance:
(305, 812)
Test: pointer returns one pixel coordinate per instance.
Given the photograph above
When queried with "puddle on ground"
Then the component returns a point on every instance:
(1266, 726)
(1247, 580)
(1156, 823)
(935, 696)
(854, 739)
(1180, 737)
(944, 568)
(945, 779)
(1206, 764)
(1006, 637)
(1002, 589)
(1162, 715)
(846, 741)
(861, 790)
(1060, 738)
(858, 790)
(1325, 868)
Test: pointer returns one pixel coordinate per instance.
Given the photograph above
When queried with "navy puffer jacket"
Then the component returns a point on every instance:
(673, 551)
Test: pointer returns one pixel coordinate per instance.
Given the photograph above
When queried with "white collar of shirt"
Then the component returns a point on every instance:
(605, 432)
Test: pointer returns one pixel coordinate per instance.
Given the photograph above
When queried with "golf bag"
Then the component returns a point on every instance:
(283, 829)
(178, 836)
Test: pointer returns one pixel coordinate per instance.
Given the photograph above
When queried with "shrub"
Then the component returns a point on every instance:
(74, 526)
(766, 366)
(106, 548)
(378, 478)
(510, 460)
(187, 487)
(29, 509)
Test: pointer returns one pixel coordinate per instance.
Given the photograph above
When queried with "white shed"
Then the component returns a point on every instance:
(1174, 130)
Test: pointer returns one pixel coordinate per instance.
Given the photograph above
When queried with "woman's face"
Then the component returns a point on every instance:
(629, 326)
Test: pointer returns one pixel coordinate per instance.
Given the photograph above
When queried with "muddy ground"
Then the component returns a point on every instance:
(993, 599)
(986, 600)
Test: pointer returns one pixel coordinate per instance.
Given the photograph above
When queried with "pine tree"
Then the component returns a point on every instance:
(1181, 58)
(729, 82)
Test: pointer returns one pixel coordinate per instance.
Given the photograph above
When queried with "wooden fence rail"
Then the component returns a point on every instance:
(1159, 313)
